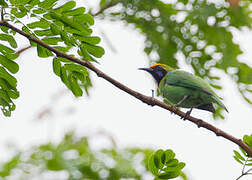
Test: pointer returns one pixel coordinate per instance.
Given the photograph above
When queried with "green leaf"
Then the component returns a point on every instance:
(238, 155)
(19, 2)
(68, 22)
(89, 39)
(84, 18)
(26, 29)
(75, 12)
(178, 167)
(215, 86)
(46, 32)
(248, 140)
(172, 163)
(103, 3)
(169, 175)
(63, 76)
(9, 39)
(52, 40)
(5, 96)
(66, 39)
(3, 3)
(63, 49)
(43, 52)
(167, 155)
(9, 78)
(9, 64)
(55, 29)
(4, 29)
(151, 165)
(75, 67)
(12, 91)
(158, 158)
(96, 51)
(4, 49)
(84, 31)
(19, 12)
(243, 151)
(4, 84)
(83, 52)
(13, 94)
(38, 11)
(56, 66)
(238, 160)
(34, 2)
(44, 24)
(48, 4)
(63, 59)
(65, 7)
(9, 166)
(79, 75)
(75, 86)
(245, 73)
(48, 16)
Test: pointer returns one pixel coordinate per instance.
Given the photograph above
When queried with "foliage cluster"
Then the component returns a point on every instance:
(197, 32)
(73, 158)
(64, 27)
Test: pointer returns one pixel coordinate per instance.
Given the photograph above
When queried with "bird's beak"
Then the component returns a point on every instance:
(146, 69)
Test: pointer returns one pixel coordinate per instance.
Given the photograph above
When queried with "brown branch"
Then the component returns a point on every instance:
(145, 99)
(234, 3)
(23, 49)
(109, 5)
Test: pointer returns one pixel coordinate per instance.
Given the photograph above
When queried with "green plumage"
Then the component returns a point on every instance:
(177, 84)
(183, 89)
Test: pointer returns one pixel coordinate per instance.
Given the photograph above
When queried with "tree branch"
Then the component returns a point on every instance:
(109, 5)
(145, 99)
(23, 49)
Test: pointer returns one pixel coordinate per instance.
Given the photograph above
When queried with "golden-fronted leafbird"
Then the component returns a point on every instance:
(183, 89)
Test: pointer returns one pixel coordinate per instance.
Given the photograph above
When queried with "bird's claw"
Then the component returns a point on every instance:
(176, 109)
(186, 115)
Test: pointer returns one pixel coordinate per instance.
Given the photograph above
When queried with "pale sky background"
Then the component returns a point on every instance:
(131, 122)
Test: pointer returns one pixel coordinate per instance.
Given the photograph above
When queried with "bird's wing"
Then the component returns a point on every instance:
(187, 80)
(184, 79)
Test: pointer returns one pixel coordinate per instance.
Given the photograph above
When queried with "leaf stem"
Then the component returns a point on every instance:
(109, 5)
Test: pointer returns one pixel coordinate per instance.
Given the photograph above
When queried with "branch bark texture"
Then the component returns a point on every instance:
(145, 99)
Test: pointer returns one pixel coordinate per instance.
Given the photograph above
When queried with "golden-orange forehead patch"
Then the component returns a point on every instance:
(155, 65)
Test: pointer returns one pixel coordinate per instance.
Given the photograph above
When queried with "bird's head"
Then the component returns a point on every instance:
(158, 71)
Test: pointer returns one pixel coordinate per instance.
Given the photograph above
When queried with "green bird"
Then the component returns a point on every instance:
(183, 89)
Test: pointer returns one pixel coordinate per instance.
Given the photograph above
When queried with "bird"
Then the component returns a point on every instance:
(183, 89)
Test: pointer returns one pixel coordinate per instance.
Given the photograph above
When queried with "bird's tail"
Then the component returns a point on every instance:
(218, 101)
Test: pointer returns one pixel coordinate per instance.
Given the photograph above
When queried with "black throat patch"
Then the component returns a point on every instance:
(158, 73)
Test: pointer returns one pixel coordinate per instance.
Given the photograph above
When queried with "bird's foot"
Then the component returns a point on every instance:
(187, 114)
(176, 109)
(152, 93)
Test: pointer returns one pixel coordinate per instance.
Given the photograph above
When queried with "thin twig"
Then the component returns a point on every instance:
(244, 165)
(239, 177)
(243, 169)
(249, 170)
(23, 49)
(109, 5)
(244, 174)
(108, 41)
(145, 99)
